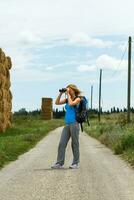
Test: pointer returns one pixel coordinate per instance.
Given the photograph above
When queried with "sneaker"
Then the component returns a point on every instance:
(74, 166)
(57, 166)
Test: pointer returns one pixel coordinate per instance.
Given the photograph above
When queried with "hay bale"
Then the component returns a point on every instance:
(8, 124)
(7, 73)
(2, 117)
(46, 108)
(3, 105)
(10, 116)
(6, 116)
(2, 127)
(2, 81)
(7, 84)
(9, 62)
(10, 95)
(2, 69)
(3, 94)
(2, 56)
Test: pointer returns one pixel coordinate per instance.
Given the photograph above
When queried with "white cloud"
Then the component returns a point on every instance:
(108, 62)
(84, 39)
(29, 37)
(86, 68)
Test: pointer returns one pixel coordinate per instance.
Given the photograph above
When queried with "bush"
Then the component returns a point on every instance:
(121, 119)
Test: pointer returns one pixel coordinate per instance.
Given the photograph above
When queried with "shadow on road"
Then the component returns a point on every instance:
(47, 169)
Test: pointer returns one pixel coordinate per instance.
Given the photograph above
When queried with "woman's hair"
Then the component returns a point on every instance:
(76, 90)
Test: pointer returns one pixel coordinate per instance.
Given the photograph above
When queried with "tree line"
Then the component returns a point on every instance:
(61, 113)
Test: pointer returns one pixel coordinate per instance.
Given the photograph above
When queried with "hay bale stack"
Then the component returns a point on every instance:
(47, 108)
(5, 93)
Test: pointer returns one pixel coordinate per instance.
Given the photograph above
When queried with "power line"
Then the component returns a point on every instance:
(123, 54)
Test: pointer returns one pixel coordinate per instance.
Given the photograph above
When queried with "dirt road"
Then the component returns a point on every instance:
(101, 176)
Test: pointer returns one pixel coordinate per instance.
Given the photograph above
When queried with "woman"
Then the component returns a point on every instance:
(71, 128)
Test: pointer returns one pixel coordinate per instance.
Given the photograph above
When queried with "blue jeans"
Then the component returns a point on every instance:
(69, 130)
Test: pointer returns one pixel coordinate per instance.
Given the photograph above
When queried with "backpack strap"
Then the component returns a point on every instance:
(88, 120)
(81, 127)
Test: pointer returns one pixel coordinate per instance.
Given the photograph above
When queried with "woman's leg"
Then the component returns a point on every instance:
(65, 136)
(74, 129)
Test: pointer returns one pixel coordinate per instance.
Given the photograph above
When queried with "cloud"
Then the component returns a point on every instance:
(86, 68)
(104, 61)
(85, 40)
(29, 37)
(108, 62)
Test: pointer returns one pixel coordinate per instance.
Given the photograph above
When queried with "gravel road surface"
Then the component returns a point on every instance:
(101, 175)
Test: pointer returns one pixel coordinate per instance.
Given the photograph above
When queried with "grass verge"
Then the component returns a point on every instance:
(24, 135)
(115, 133)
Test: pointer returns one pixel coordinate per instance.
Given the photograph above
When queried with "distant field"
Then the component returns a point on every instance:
(114, 132)
(24, 134)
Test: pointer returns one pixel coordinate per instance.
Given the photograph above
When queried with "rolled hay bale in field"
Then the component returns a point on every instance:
(3, 93)
(9, 96)
(2, 56)
(2, 69)
(9, 62)
(2, 117)
(47, 116)
(8, 124)
(7, 73)
(2, 127)
(9, 106)
(10, 116)
(3, 106)
(6, 115)
(7, 84)
(46, 108)
(2, 81)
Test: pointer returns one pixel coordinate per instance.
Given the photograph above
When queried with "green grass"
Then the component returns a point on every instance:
(24, 135)
(115, 133)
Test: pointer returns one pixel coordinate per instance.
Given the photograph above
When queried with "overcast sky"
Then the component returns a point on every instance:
(55, 43)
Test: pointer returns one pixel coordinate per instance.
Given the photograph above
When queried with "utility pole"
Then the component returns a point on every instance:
(129, 80)
(100, 95)
(91, 97)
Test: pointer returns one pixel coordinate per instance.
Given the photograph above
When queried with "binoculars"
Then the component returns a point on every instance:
(63, 90)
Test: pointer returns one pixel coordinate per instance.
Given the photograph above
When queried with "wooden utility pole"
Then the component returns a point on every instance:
(99, 113)
(91, 97)
(129, 80)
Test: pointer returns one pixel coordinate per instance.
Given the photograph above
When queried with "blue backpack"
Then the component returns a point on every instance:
(82, 111)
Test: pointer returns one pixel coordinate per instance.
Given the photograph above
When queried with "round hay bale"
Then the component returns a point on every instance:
(2, 117)
(2, 81)
(7, 84)
(9, 62)
(8, 124)
(7, 73)
(2, 69)
(2, 56)
(10, 117)
(1, 95)
(10, 95)
(6, 63)
(2, 129)
(2, 106)
(9, 106)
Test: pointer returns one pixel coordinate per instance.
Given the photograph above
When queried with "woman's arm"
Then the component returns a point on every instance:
(58, 101)
(71, 102)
